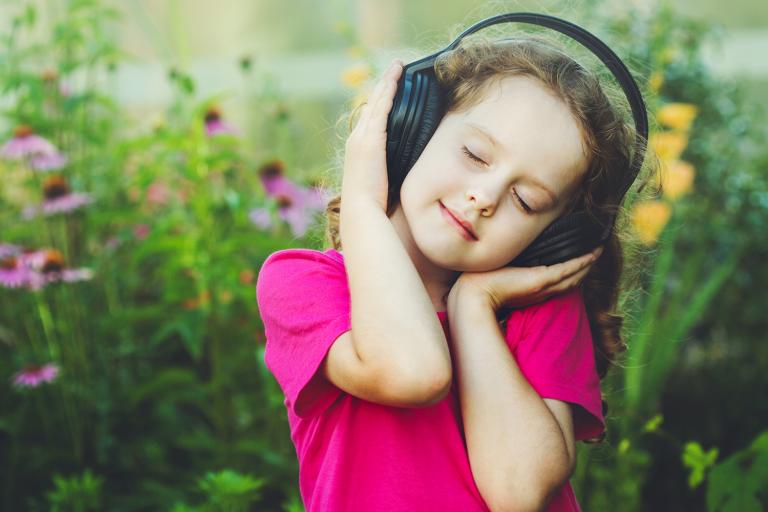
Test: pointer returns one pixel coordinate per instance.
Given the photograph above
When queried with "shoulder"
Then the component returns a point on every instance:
(288, 263)
(566, 304)
(301, 255)
(558, 314)
(287, 271)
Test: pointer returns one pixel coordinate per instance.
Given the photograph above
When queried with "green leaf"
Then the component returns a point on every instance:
(743, 503)
(653, 424)
(698, 461)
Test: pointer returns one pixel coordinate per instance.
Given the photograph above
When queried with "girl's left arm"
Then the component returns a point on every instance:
(521, 447)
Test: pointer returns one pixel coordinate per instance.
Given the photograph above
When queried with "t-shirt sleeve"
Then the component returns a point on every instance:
(552, 344)
(303, 301)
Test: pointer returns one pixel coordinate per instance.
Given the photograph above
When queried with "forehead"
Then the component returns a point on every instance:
(531, 126)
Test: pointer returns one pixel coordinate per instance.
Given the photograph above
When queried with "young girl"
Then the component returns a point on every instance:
(403, 390)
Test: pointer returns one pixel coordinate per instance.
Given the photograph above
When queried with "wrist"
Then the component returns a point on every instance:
(464, 298)
(355, 206)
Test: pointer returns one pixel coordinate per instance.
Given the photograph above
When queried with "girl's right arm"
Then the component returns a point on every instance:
(396, 335)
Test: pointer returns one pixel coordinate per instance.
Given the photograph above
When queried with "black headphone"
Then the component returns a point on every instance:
(418, 107)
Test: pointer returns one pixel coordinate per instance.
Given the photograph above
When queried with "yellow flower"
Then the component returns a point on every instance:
(668, 145)
(676, 178)
(649, 218)
(677, 115)
(656, 80)
(356, 75)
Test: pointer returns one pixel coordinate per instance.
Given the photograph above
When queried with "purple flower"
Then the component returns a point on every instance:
(58, 199)
(9, 250)
(47, 162)
(297, 205)
(36, 269)
(215, 126)
(33, 375)
(25, 143)
(12, 274)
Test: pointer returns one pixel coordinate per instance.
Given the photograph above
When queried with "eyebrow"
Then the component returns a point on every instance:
(495, 143)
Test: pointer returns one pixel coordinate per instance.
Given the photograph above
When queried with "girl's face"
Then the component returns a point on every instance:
(533, 157)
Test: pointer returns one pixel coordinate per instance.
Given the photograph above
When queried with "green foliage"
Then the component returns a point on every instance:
(229, 491)
(162, 353)
(225, 491)
(698, 461)
(692, 262)
(740, 482)
(77, 493)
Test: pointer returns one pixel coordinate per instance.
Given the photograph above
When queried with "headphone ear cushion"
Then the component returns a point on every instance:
(425, 121)
(567, 237)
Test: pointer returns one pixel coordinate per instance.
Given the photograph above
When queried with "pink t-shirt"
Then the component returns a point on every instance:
(358, 455)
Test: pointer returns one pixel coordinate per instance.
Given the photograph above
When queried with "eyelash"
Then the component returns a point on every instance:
(478, 160)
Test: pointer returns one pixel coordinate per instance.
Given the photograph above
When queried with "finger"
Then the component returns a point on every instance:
(381, 98)
(374, 95)
(362, 115)
(379, 112)
(565, 269)
(568, 283)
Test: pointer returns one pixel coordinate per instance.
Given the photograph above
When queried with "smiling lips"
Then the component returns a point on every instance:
(465, 231)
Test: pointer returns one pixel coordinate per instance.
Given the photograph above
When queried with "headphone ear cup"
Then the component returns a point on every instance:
(427, 120)
(408, 138)
(567, 237)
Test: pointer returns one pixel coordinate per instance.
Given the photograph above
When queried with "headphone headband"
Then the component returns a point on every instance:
(593, 44)
(419, 105)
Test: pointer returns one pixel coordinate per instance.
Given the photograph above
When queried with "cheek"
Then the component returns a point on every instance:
(511, 235)
(428, 180)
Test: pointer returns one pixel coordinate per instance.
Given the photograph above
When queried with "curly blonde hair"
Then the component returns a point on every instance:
(466, 72)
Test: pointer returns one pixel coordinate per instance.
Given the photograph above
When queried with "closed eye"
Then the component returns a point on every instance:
(472, 156)
(467, 152)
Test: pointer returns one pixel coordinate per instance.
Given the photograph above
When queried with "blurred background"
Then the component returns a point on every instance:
(154, 153)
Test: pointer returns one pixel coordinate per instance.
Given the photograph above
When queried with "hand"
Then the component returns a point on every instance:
(522, 286)
(365, 159)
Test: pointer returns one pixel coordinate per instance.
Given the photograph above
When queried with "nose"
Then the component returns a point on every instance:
(483, 200)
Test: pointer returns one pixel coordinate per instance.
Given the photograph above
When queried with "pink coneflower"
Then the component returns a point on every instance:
(48, 162)
(58, 199)
(214, 124)
(13, 275)
(25, 143)
(317, 197)
(9, 250)
(296, 204)
(36, 269)
(33, 375)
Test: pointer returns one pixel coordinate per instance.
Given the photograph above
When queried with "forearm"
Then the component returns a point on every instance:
(394, 323)
(516, 448)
